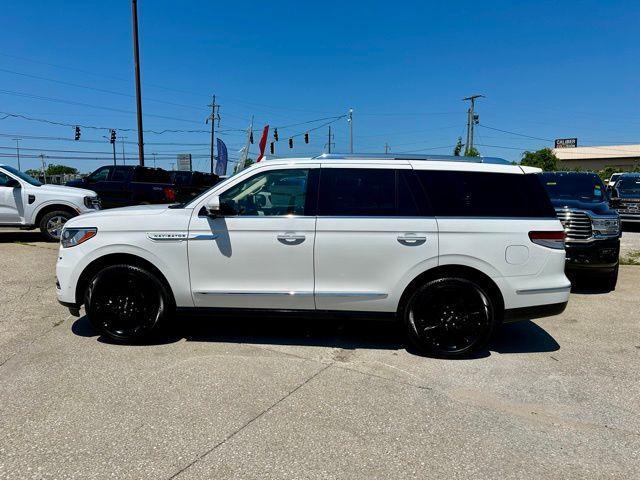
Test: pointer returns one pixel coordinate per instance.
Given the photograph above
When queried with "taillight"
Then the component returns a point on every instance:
(169, 194)
(548, 239)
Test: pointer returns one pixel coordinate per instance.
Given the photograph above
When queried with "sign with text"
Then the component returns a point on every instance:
(184, 162)
(566, 142)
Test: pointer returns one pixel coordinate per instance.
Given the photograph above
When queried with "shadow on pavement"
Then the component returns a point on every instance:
(520, 337)
(24, 236)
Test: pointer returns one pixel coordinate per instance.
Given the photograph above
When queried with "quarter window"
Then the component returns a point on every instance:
(357, 192)
(276, 192)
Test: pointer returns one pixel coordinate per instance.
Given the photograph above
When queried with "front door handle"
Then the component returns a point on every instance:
(411, 239)
(291, 238)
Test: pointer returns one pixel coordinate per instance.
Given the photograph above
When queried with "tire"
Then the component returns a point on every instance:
(51, 224)
(127, 303)
(449, 318)
(611, 280)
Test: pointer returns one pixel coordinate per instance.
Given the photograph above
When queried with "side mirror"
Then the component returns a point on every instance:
(213, 207)
(13, 183)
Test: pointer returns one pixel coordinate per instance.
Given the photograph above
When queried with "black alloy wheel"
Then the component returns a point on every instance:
(126, 303)
(449, 318)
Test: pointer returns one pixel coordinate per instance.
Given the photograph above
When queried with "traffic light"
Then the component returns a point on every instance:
(113, 137)
(272, 148)
(275, 134)
(77, 136)
(306, 137)
(291, 142)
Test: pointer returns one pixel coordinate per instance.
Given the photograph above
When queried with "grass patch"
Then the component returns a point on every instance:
(631, 258)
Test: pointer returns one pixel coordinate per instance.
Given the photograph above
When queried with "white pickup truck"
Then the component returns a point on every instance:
(27, 203)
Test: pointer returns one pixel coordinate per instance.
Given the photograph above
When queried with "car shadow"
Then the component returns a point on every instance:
(21, 236)
(520, 337)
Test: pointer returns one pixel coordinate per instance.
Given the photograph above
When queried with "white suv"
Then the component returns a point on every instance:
(450, 246)
(26, 203)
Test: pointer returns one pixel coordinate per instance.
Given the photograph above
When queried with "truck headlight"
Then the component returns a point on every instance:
(75, 236)
(605, 226)
(92, 202)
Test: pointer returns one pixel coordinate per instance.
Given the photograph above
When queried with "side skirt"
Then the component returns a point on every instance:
(276, 313)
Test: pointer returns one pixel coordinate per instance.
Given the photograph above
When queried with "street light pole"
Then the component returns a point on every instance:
(136, 59)
(350, 120)
(18, 150)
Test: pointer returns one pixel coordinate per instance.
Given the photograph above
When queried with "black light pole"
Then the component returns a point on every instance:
(136, 58)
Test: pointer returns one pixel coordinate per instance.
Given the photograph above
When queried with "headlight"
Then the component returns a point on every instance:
(605, 226)
(92, 202)
(75, 236)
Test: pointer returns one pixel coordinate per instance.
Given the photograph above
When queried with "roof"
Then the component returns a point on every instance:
(596, 152)
(399, 156)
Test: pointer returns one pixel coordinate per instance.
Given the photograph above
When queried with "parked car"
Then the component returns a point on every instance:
(592, 226)
(612, 182)
(451, 248)
(125, 185)
(191, 184)
(626, 195)
(28, 204)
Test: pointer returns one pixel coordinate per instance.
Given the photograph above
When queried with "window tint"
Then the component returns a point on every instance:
(485, 194)
(120, 174)
(357, 192)
(99, 175)
(277, 192)
(3, 179)
(152, 175)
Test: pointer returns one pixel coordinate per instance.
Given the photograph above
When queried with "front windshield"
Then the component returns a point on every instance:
(22, 176)
(586, 188)
(628, 187)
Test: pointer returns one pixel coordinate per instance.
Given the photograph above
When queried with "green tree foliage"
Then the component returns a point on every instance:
(458, 149)
(32, 172)
(60, 169)
(472, 152)
(543, 158)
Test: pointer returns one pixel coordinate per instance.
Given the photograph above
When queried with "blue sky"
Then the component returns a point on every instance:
(548, 70)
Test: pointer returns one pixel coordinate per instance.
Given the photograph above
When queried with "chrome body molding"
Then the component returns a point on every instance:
(544, 290)
(364, 295)
(167, 236)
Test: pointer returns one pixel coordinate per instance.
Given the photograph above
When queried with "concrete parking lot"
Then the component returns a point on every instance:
(552, 398)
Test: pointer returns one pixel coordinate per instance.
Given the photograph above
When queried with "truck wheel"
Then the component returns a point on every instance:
(126, 303)
(51, 224)
(449, 318)
(611, 280)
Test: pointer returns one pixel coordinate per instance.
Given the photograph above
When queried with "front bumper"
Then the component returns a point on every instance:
(601, 255)
(630, 218)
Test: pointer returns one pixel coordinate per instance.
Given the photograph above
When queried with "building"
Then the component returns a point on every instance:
(597, 158)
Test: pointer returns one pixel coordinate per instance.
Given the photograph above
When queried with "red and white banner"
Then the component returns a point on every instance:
(263, 142)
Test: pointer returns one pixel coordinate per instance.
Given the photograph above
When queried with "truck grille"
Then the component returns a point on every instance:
(577, 224)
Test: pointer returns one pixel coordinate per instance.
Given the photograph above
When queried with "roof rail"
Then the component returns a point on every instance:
(399, 156)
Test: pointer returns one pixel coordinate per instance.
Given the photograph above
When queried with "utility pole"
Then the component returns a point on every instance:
(350, 120)
(386, 148)
(17, 150)
(214, 116)
(124, 160)
(329, 141)
(44, 175)
(136, 59)
(471, 120)
(154, 159)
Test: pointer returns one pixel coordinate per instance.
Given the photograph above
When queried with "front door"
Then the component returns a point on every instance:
(260, 253)
(11, 205)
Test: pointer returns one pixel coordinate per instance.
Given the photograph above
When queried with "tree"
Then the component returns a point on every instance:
(458, 149)
(472, 152)
(543, 158)
(60, 170)
(32, 172)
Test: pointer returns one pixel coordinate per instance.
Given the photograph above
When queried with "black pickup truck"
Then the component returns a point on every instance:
(626, 198)
(191, 184)
(123, 185)
(591, 225)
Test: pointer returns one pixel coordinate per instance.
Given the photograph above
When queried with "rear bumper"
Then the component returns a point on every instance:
(74, 308)
(598, 255)
(529, 313)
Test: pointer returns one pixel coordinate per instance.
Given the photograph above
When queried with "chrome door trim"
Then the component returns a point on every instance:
(259, 293)
(370, 295)
(199, 236)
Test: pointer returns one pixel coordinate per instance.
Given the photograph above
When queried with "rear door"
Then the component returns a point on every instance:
(372, 233)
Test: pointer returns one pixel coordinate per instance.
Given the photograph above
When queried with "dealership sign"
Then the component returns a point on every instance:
(184, 162)
(566, 142)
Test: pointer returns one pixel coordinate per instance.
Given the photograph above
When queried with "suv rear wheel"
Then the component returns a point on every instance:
(449, 317)
(127, 303)
(51, 224)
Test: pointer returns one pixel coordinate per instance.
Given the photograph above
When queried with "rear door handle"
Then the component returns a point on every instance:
(411, 239)
(291, 238)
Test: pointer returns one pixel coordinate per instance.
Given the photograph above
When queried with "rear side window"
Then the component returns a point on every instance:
(370, 192)
(152, 175)
(485, 194)
(120, 174)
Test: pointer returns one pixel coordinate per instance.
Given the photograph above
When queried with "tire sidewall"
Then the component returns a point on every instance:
(45, 219)
(418, 343)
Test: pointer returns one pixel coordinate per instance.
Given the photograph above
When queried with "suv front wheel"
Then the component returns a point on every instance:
(449, 317)
(127, 303)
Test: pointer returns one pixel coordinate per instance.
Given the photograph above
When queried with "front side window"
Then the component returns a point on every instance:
(99, 175)
(3, 179)
(23, 176)
(276, 192)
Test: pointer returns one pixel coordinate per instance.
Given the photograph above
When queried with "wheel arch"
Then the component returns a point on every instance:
(52, 207)
(114, 259)
(459, 271)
